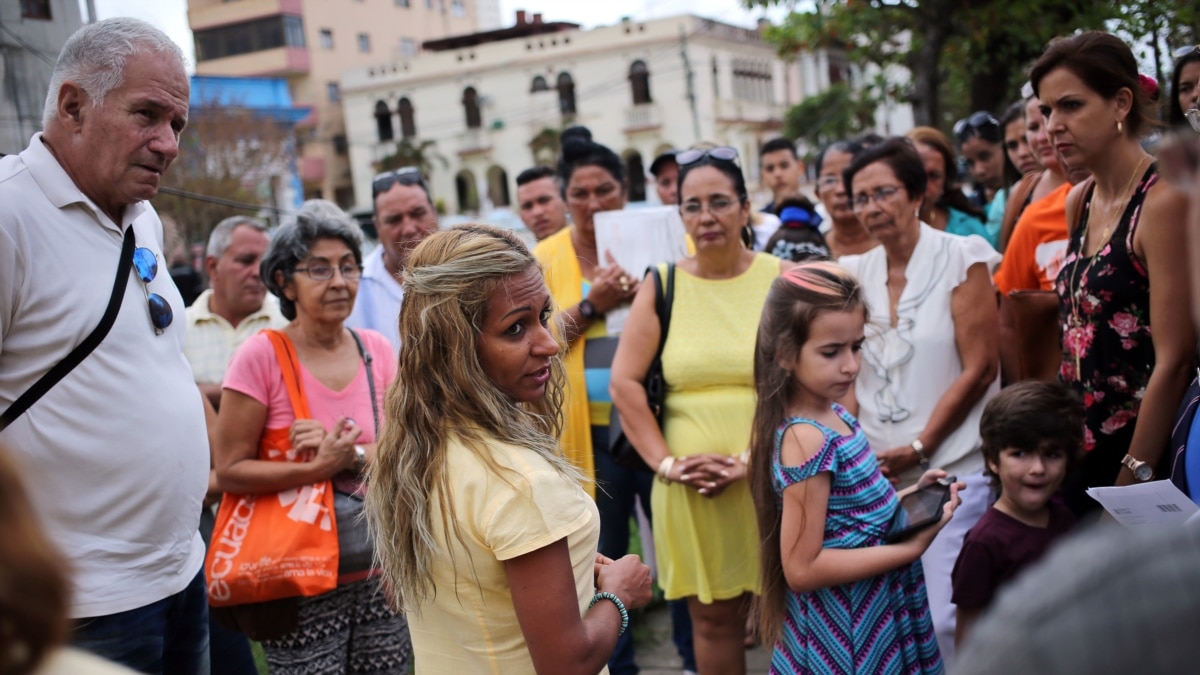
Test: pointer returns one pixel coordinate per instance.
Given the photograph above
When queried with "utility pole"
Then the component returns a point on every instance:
(691, 87)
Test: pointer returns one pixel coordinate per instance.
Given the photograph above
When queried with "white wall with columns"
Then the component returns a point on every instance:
(738, 110)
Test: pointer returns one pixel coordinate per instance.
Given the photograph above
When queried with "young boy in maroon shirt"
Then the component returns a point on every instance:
(1032, 435)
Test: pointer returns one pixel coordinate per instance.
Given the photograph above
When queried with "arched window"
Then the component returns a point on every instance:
(383, 122)
(408, 124)
(470, 101)
(539, 84)
(498, 186)
(566, 94)
(464, 188)
(639, 80)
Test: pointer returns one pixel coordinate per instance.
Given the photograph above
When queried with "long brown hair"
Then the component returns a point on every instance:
(33, 580)
(796, 298)
(441, 391)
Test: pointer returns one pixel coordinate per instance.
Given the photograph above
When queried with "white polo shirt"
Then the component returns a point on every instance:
(211, 340)
(377, 305)
(115, 456)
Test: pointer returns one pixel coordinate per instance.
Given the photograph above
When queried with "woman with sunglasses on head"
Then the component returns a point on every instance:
(313, 266)
(705, 536)
(404, 214)
(485, 533)
(1185, 88)
(945, 206)
(930, 357)
(1122, 286)
(981, 141)
(846, 235)
(585, 288)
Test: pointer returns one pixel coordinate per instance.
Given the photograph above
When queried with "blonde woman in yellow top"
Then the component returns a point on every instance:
(705, 532)
(486, 537)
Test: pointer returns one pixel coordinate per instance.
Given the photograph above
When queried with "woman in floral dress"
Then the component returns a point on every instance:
(1128, 346)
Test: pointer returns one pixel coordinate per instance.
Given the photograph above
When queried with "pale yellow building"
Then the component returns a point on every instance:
(311, 43)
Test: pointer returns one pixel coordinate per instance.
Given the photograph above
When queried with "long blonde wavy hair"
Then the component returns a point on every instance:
(441, 391)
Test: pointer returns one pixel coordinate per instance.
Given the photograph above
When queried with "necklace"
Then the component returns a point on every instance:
(1113, 217)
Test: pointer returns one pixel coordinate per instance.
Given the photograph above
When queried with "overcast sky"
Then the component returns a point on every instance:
(171, 15)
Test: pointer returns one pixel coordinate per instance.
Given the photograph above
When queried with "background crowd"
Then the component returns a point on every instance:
(366, 460)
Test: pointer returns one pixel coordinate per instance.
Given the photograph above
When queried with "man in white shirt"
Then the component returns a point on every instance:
(404, 216)
(116, 452)
(235, 306)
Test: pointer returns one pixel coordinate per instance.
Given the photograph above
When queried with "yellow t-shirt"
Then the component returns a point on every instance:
(470, 625)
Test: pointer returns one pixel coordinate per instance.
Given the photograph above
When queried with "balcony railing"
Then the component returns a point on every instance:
(642, 117)
(474, 141)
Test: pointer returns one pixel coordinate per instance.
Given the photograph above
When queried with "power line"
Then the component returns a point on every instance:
(225, 202)
(26, 45)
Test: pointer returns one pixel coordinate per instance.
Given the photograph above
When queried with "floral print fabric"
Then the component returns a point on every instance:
(1104, 313)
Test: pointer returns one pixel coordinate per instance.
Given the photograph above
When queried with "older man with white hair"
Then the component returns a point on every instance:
(97, 398)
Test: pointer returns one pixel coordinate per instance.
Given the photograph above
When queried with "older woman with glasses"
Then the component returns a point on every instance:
(930, 361)
(313, 266)
(706, 536)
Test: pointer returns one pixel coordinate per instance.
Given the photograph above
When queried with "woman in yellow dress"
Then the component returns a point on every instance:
(705, 535)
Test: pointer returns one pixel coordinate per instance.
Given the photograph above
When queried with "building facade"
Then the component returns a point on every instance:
(32, 33)
(493, 107)
(310, 43)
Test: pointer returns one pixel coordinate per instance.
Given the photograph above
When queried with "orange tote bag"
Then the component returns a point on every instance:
(275, 545)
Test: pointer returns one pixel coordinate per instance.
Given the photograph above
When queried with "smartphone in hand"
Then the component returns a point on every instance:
(919, 509)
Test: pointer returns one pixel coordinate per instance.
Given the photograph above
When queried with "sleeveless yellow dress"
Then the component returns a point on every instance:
(708, 547)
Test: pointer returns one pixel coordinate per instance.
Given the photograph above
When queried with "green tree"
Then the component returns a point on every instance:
(421, 155)
(835, 113)
(230, 154)
(970, 54)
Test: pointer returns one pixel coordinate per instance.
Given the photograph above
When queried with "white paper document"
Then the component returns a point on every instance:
(638, 239)
(1157, 503)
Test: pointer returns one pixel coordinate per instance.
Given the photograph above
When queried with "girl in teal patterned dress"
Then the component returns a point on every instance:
(835, 598)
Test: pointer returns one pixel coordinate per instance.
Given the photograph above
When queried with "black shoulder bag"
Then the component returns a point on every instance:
(356, 549)
(622, 451)
(52, 377)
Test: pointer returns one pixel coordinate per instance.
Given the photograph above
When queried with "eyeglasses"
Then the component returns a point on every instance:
(407, 175)
(1185, 51)
(880, 195)
(723, 153)
(320, 271)
(983, 124)
(826, 182)
(145, 264)
(718, 206)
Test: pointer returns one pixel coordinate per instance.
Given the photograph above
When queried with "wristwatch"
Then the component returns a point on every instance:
(1142, 471)
(587, 310)
(919, 448)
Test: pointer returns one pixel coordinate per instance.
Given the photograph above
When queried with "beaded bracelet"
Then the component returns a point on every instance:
(605, 595)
